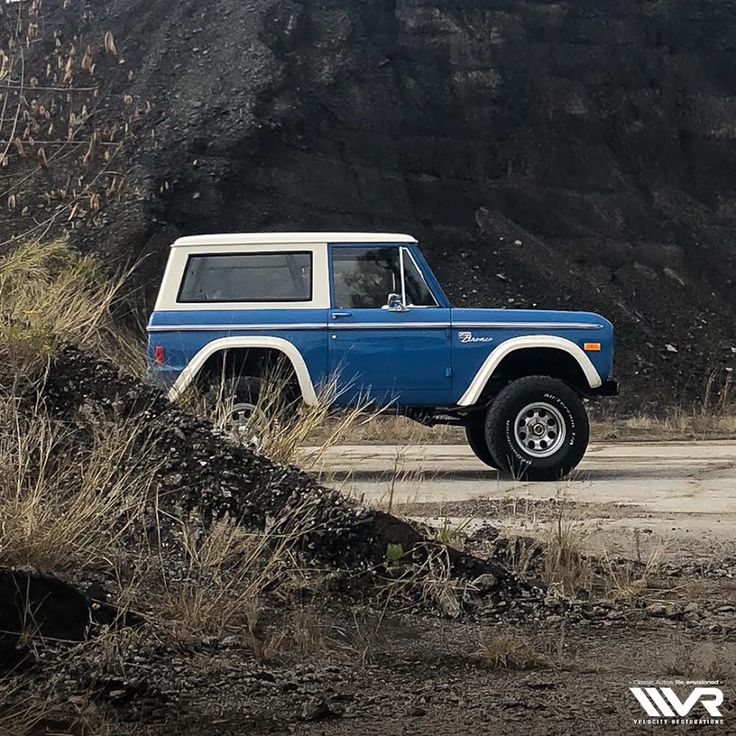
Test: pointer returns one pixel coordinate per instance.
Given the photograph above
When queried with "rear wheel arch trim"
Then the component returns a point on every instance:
(195, 365)
(491, 363)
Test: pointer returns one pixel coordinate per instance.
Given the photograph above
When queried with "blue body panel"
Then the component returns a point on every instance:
(426, 356)
(193, 330)
(401, 356)
(499, 325)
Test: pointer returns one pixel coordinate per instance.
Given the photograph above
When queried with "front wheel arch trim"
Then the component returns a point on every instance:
(491, 363)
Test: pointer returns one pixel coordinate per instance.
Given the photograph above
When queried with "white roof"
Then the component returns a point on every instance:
(285, 238)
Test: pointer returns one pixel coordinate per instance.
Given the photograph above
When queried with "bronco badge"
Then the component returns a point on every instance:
(468, 337)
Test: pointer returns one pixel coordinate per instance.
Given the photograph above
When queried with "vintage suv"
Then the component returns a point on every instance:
(367, 309)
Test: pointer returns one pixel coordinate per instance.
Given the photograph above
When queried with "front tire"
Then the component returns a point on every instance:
(475, 433)
(537, 428)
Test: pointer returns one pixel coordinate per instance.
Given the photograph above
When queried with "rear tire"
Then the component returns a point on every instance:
(537, 428)
(234, 404)
(475, 433)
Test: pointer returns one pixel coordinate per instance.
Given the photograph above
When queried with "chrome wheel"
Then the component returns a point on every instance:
(246, 422)
(540, 430)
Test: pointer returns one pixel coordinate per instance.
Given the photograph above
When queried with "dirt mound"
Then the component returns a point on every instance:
(199, 468)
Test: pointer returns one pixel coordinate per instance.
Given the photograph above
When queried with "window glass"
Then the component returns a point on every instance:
(417, 291)
(363, 278)
(248, 277)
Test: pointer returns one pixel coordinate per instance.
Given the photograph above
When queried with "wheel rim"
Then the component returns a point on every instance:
(540, 430)
(246, 422)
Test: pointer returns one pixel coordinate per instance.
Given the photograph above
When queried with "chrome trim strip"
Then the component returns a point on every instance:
(296, 326)
(391, 326)
(236, 327)
(529, 325)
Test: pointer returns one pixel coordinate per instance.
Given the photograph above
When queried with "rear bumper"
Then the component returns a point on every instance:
(607, 388)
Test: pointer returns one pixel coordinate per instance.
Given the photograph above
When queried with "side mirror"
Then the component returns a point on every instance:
(395, 303)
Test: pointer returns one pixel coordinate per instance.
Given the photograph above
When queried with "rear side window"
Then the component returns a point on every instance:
(248, 277)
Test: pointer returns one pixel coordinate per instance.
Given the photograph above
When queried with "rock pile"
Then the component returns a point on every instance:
(198, 468)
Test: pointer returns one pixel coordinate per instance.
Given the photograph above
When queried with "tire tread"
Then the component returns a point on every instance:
(497, 416)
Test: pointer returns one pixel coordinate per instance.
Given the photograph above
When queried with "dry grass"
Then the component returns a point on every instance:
(72, 506)
(285, 431)
(451, 533)
(80, 496)
(81, 500)
(521, 553)
(431, 581)
(507, 649)
(626, 581)
(22, 720)
(713, 416)
(227, 572)
(42, 715)
(51, 295)
(707, 661)
(437, 584)
(569, 565)
(336, 427)
(60, 510)
(566, 568)
(305, 634)
(364, 637)
(673, 425)
(387, 429)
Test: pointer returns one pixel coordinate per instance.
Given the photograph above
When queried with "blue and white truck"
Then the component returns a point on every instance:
(365, 310)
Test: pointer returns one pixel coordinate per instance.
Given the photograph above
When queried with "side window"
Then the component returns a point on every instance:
(362, 278)
(417, 291)
(247, 277)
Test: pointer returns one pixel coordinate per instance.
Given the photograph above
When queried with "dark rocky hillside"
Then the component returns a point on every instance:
(575, 154)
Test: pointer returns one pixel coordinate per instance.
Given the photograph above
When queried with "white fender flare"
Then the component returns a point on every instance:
(474, 390)
(228, 343)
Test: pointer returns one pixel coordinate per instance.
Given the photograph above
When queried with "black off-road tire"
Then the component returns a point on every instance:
(228, 395)
(246, 416)
(241, 389)
(247, 389)
(475, 433)
(501, 436)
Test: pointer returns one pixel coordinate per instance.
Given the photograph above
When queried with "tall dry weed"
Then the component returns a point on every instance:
(51, 295)
(62, 504)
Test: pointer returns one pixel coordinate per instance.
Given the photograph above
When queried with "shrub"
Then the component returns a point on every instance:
(51, 295)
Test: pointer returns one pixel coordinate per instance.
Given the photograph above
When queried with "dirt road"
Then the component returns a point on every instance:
(682, 491)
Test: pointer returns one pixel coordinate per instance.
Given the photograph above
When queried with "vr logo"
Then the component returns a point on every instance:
(650, 698)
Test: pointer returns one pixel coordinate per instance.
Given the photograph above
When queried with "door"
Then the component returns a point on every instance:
(389, 337)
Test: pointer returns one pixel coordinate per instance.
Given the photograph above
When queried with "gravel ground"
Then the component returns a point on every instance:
(365, 643)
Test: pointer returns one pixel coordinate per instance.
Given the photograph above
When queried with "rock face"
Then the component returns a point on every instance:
(583, 149)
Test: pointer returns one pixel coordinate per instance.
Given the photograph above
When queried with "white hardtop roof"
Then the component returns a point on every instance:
(286, 238)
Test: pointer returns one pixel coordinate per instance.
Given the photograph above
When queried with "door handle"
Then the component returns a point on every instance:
(340, 315)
